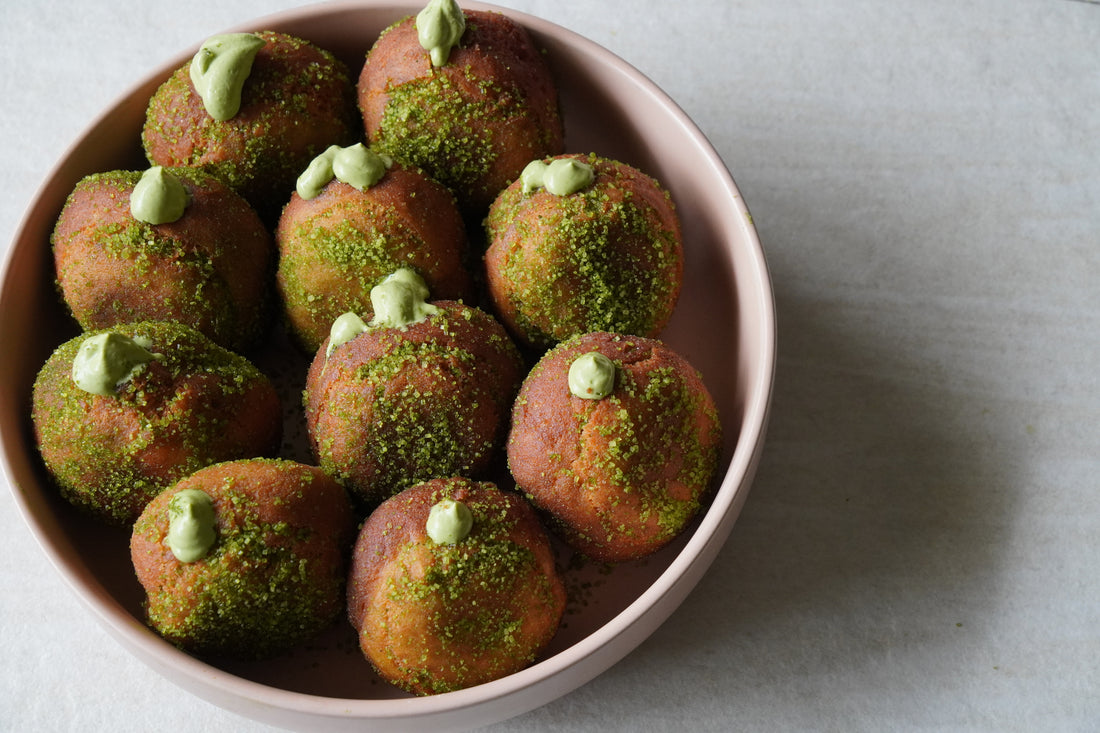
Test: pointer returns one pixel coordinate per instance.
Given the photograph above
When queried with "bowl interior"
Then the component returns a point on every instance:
(723, 324)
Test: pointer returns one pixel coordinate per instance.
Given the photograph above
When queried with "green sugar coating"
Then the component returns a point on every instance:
(395, 406)
(423, 125)
(472, 597)
(417, 410)
(650, 447)
(145, 251)
(431, 123)
(135, 239)
(489, 630)
(636, 454)
(255, 592)
(438, 443)
(346, 260)
(111, 455)
(257, 159)
(596, 260)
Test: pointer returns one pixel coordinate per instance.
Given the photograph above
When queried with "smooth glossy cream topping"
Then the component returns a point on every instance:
(356, 165)
(191, 525)
(220, 69)
(449, 522)
(592, 376)
(400, 300)
(439, 28)
(108, 360)
(344, 329)
(560, 177)
(158, 197)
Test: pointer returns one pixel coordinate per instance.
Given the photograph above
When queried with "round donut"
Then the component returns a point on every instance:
(622, 471)
(297, 99)
(472, 123)
(605, 257)
(437, 616)
(190, 404)
(210, 268)
(270, 571)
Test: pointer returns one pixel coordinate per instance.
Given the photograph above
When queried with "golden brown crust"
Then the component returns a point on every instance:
(211, 269)
(482, 117)
(335, 247)
(435, 618)
(620, 476)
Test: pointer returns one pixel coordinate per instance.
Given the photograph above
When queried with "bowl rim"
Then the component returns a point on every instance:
(707, 538)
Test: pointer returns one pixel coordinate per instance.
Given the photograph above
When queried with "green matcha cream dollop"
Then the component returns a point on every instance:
(109, 360)
(439, 28)
(191, 526)
(398, 301)
(449, 522)
(158, 197)
(344, 329)
(356, 165)
(561, 177)
(401, 300)
(592, 376)
(220, 69)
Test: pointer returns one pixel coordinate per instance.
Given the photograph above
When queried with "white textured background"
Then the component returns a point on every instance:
(921, 549)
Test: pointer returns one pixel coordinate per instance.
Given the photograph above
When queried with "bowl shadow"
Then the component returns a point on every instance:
(881, 489)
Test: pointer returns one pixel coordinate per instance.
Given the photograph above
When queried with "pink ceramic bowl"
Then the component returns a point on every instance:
(724, 324)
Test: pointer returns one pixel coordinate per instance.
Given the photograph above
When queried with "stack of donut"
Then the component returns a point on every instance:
(481, 311)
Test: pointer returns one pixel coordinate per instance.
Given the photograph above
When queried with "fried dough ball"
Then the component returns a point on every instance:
(296, 100)
(210, 268)
(473, 122)
(605, 257)
(437, 610)
(244, 558)
(166, 402)
(622, 470)
(394, 406)
(337, 245)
